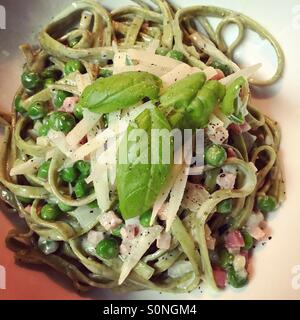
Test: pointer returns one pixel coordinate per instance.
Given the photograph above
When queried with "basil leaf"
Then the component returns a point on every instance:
(138, 184)
(120, 91)
(189, 103)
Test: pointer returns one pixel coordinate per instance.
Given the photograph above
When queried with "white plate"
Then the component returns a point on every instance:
(274, 263)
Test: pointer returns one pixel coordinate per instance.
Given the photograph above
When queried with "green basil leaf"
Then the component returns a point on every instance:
(120, 91)
(139, 184)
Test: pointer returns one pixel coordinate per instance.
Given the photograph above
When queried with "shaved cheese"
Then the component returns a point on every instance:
(58, 139)
(99, 178)
(82, 81)
(176, 196)
(180, 268)
(183, 70)
(246, 73)
(119, 62)
(89, 120)
(99, 140)
(86, 217)
(27, 167)
(162, 197)
(195, 195)
(139, 246)
(216, 131)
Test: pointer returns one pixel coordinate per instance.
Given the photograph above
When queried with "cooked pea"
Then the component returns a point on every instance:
(62, 121)
(64, 207)
(50, 212)
(235, 280)
(83, 167)
(68, 174)
(215, 155)
(59, 98)
(266, 203)
(31, 80)
(107, 248)
(81, 189)
(162, 51)
(72, 66)
(177, 55)
(248, 240)
(145, 218)
(43, 170)
(37, 110)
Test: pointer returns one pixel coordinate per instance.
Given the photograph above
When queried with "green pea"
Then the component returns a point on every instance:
(43, 130)
(266, 203)
(235, 280)
(24, 200)
(50, 212)
(47, 246)
(105, 120)
(81, 189)
(225, 206)
(64, 207)
(62, 121)
(225, 259)
(117, 231)
(51, 73)
(68, 174)
(59, 98)
(215, 155)
(105, 73)
(37, 110)
(31, 80)
(223, 67)
(72, 42)
(43, 170)
(177, 55)
(72, 66)
(248, 240)
(162, 51)
(18, 105)
(48, 82)
(83, 167)
(145, 218)
(78, 111)
(107, 248)
(93, 204)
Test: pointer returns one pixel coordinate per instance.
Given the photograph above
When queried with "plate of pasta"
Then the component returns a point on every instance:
(150, 148)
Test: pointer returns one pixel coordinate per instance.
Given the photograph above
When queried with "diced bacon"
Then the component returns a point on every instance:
(245, 127)
(83, 140)
(226, 180)
(28, 208)
(220, 277)
(231, 153)
(239, 129)
(210, 241)
(257, 233)
(68, 105)
(109, 220)
(129, 232)
(162, 212)
(94, 237)
(163, 241)
(220, 75)
(235, 128)
(234, 240)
